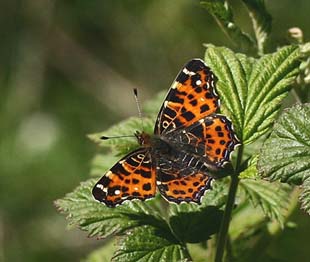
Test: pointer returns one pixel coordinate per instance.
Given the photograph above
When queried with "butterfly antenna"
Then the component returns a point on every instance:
(109, 137)
(135, 91)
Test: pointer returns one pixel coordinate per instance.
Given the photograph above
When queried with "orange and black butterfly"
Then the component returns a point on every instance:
(190, 139)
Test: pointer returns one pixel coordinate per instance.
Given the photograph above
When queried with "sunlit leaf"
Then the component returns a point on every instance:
(305, 195)
(251, 171)
(285, 155)
(128, 127)
(150, 244)
(101, 221)
(251, 91)
(272, 197)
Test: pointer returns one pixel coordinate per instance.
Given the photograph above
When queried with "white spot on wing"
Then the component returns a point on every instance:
(186, 71)
(117, 192)
(100, 186)
(109, 174)
(174, 85)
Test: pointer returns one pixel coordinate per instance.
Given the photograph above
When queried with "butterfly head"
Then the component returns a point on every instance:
(143, 138)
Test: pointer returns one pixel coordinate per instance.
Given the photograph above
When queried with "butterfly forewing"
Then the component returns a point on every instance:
(191, 97)
(131, 178)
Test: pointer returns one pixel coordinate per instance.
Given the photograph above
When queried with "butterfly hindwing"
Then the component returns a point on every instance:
(190, 98)
(185, 189)
(131, 178)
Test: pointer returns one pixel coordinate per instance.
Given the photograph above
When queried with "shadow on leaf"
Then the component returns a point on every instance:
(198, 226)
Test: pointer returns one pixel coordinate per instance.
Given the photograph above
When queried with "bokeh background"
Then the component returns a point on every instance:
(67, 68)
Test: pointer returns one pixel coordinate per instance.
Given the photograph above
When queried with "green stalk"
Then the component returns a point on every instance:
(222, 237)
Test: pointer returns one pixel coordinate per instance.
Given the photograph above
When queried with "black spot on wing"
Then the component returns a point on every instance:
(188, 115)
(193, 102)
(171, 113)
(197, 131)
(130, 161)
(147, 187)
(120, 170)
(135, 181)
(204, 108)
(195, 65)
(209, 95)
(136, 194)
(125, 189)
(198, 89)
(190, 96)
(145, 174)
(218, 128)
(211, 141)
(220, 134)
(174, 96)
(182, 77)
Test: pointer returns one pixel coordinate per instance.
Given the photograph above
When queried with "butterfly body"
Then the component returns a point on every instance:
(190, 141)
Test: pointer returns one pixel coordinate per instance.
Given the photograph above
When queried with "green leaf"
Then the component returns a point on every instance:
(285, 154)
(101, 221)
(272, 198)
(222, 13)
(251, 91)
(193, 223)
(101, 163)
(261, 20)
(196, 226)
(288, 147)
(251, 171)
(102, 254)
(150, 244)
(121, 146)
(305, 196)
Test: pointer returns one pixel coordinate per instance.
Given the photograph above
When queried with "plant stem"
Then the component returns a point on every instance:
(228, 209)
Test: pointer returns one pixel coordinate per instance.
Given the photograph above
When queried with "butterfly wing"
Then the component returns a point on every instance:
(212, 137)
(190, 98)
(182, 177)
(131, 178)
(185, 189)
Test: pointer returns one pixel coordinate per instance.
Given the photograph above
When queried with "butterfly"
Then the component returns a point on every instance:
(190, 140)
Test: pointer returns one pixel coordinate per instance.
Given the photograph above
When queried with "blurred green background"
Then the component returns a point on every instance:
(67, 69)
